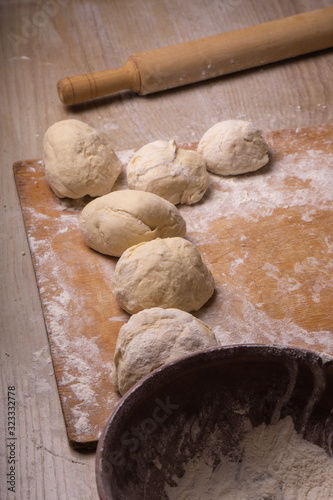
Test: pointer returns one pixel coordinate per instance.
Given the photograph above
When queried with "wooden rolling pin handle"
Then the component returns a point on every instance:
(75, 89)
(205, 58)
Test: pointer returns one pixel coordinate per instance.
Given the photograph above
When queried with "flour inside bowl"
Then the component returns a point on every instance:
(271, 463)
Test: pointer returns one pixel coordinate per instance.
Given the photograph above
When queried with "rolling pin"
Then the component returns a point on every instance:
(205, 58)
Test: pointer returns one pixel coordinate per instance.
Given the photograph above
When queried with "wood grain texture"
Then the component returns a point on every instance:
(37, 50)
(205, 58)
(272, 267)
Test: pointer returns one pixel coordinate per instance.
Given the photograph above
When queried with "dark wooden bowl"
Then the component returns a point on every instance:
(168, 417)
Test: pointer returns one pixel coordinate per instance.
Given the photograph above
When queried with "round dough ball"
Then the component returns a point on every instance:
(154, 337)
(114, 222)
(178, 175)
(233, 147)
(78, 160)
(164, 273)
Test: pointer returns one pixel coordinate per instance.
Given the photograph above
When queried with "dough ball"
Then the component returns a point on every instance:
(164, 273)
(78, 160)
(178, 175)
(233, 147)
(154, 337)
(114, 222)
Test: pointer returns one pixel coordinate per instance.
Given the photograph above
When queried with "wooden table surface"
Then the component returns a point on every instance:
(42, 42)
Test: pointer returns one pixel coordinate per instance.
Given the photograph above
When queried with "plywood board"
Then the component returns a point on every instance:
(267, 237)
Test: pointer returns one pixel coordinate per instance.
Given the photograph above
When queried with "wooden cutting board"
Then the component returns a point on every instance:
(266, 236)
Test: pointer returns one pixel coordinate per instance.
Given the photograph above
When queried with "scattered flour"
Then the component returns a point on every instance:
(83, 369)
(250, 324)
(249, 197)
(272, 462)
(125, 156)
(257, 195)
(42, 385)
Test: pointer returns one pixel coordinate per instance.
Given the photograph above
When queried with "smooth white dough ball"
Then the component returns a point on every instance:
(78, 160)
(166, 273)
(116, 221)
(178, 175)
(154, 337)
(233, 147)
